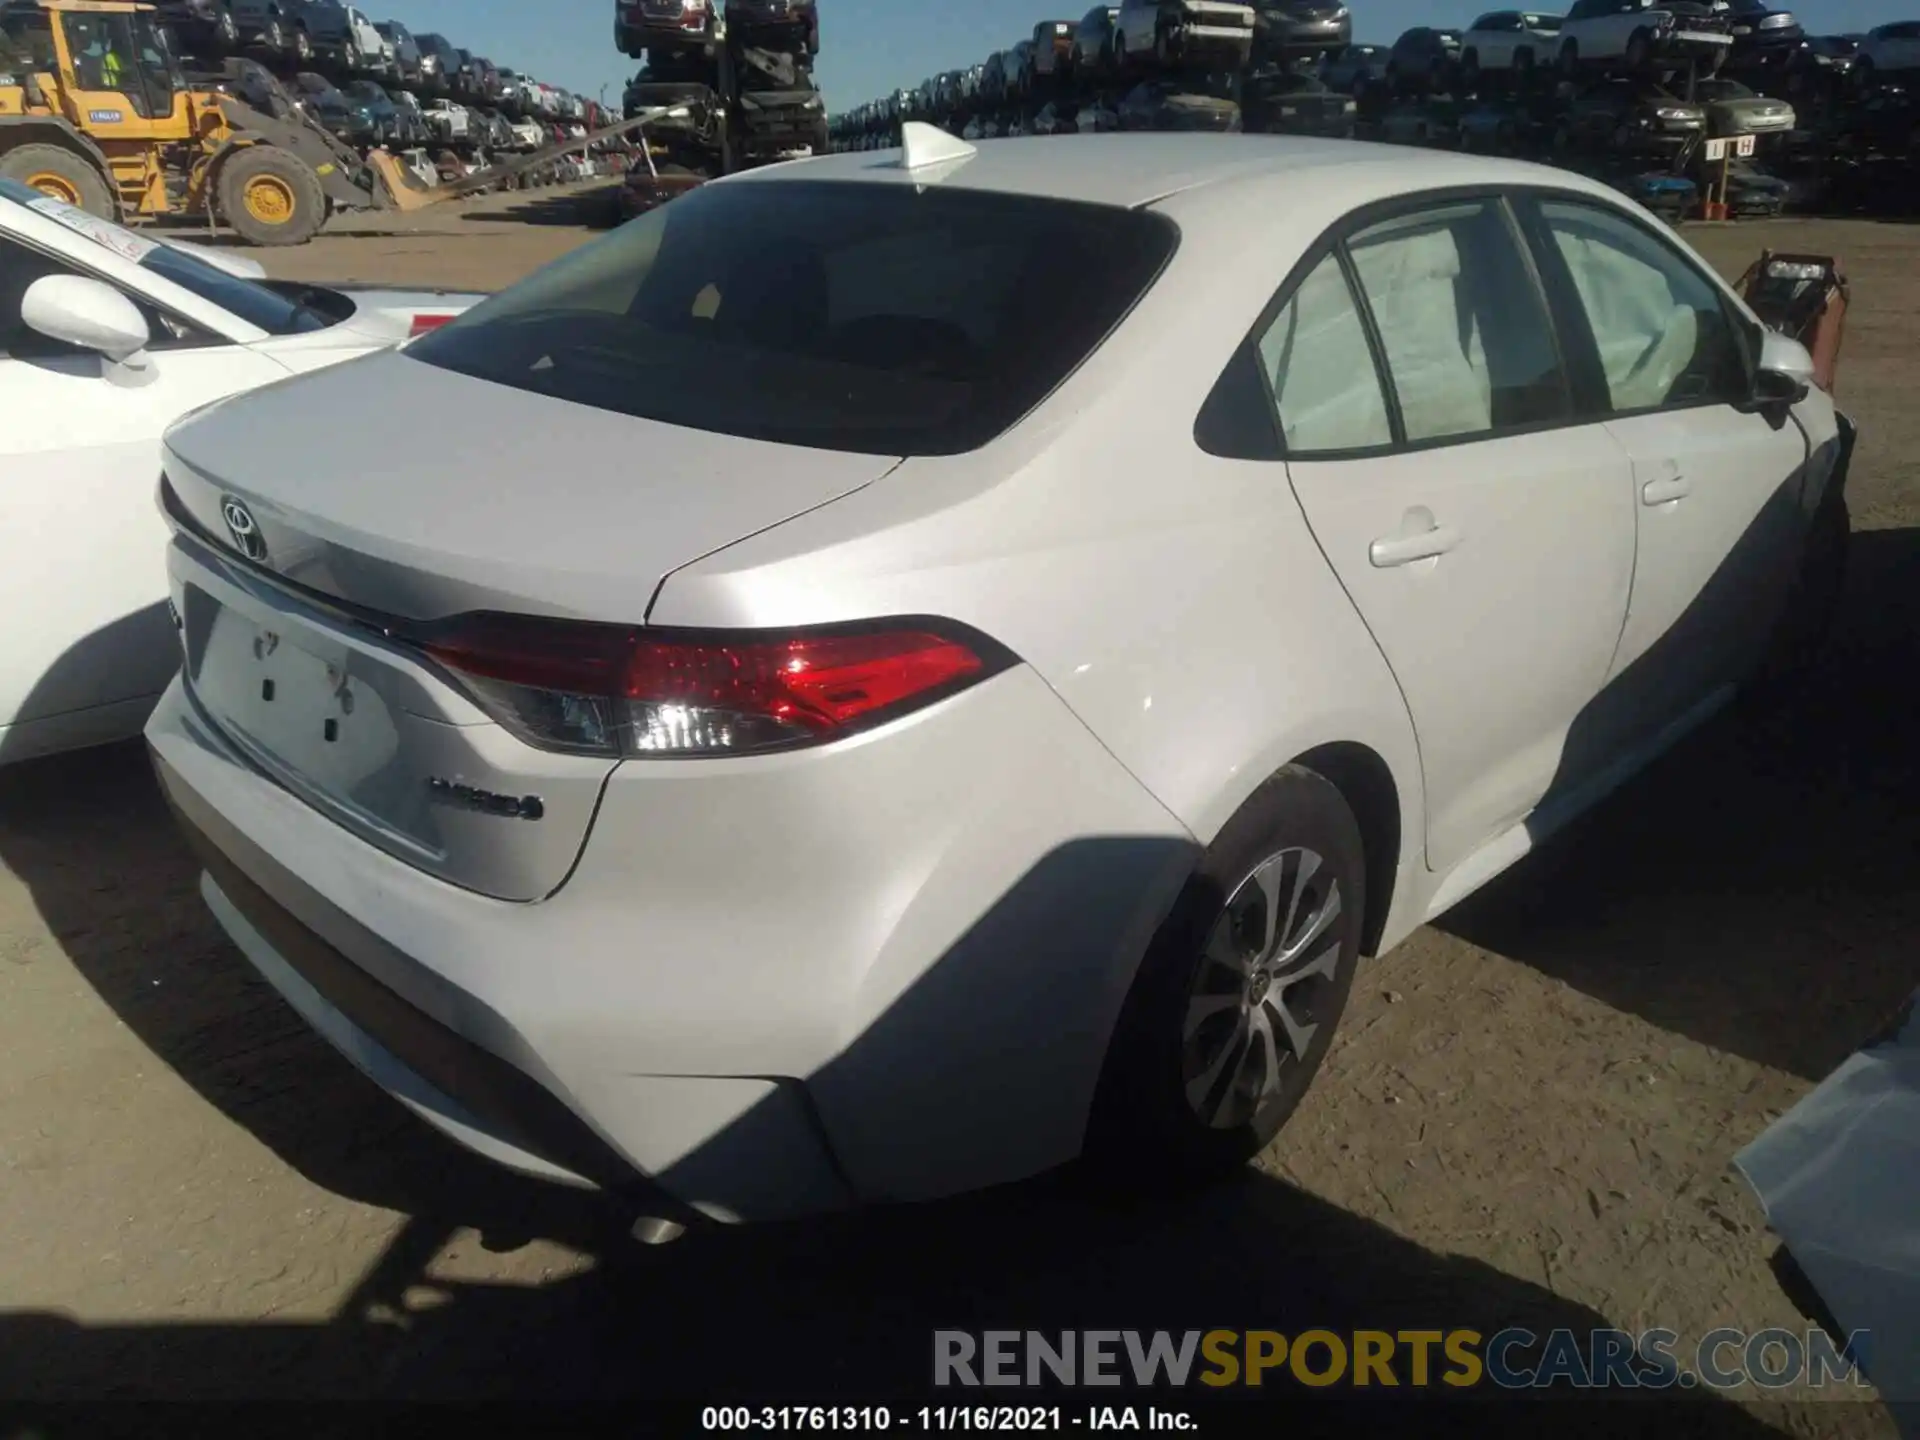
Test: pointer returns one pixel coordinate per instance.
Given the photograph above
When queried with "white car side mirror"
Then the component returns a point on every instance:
(88, 313)
(1784, 375)
(1784, 355)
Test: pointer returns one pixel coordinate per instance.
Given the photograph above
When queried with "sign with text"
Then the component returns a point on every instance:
(1741, 145)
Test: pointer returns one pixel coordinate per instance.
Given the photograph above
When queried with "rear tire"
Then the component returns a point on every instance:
(1236, 1003)
(58, 172)
(270, 197)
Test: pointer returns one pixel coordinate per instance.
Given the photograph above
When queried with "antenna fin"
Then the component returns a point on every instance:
(923, 146)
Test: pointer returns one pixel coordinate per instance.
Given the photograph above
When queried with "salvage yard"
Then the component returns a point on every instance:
(1528, 1118)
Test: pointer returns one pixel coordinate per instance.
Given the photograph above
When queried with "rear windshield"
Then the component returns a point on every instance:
(879, 319)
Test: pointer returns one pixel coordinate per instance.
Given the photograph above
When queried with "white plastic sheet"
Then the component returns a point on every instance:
(1323, 373)
(1646, 335)
(1839, 1175)
(1433, 343)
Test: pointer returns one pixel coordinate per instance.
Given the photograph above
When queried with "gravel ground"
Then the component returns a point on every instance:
(1529, 1117)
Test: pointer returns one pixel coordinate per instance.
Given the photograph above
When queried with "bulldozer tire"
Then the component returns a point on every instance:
(57, 171)
(270, 197)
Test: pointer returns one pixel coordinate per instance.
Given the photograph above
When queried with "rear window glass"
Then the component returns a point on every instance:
(879, 319)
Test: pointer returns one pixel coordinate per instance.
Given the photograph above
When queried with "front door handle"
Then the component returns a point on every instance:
(1665, 490)
(1428, 544)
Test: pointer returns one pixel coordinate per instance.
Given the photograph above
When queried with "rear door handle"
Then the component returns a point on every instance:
(1665, 490)
(1396, 550)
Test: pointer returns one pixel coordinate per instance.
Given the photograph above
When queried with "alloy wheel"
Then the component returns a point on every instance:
(1252, 1012)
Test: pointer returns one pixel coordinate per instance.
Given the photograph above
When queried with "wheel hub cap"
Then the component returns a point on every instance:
(270, 201)
(56, 186)
(1252, 1014)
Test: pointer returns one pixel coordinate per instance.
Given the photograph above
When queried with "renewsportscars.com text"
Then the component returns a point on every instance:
(1460, 1359)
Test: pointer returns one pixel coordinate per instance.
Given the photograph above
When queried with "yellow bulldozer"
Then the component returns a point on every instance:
(96, 111)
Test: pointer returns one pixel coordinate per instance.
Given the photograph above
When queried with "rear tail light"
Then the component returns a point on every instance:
(619, 691)
(427, 324)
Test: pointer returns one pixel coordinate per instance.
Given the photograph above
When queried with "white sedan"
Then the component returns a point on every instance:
(994, 638)
(106, 338)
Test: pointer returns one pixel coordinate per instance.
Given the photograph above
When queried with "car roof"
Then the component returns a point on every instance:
(1133, 170)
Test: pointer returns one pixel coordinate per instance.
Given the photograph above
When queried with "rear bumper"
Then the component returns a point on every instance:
(1194, 33)
(1284, 33)
(663, 32)
(1785, 41)
(885, 970)
(1689, 41)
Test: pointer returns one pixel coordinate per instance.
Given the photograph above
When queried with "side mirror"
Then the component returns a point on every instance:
(1785, 373)
(1786, 355)
(88, 313)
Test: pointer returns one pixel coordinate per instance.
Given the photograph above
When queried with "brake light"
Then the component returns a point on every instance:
(619, 691)
(427, 324)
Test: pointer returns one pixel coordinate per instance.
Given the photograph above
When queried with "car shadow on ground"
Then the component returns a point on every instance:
(845, 1312)
(1754, 891)
(1754, 888)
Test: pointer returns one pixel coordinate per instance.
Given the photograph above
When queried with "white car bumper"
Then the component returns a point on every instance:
(1216, 34)
(1702, 40)
(886, 969)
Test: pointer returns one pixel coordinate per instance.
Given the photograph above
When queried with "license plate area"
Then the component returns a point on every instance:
(374, 739)
(319, 716)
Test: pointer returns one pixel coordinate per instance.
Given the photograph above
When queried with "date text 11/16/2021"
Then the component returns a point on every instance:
(939, 1419)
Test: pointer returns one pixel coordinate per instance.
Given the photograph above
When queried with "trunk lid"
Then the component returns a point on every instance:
(419, 493)
(321, 516)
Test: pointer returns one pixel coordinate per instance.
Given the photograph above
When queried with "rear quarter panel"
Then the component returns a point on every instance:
(1176, 602)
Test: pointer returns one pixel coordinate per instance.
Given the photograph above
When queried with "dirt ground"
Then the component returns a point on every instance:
(1528, 1119)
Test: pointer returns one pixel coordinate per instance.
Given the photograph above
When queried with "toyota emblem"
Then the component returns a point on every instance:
(244, 529)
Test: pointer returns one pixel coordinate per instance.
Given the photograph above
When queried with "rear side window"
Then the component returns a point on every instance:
(878, 319)
(1465, 330)
(1318, 362)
